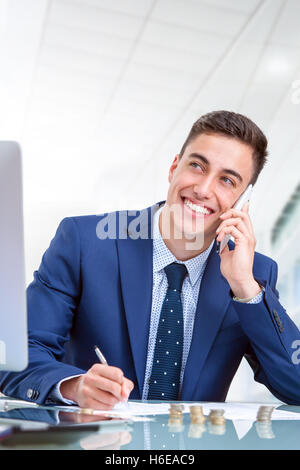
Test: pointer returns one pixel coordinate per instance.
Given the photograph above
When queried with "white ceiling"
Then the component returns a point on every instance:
(102, 93)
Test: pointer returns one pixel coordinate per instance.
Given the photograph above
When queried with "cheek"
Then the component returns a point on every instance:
(184, 180)
(176, 184)
(225, 199)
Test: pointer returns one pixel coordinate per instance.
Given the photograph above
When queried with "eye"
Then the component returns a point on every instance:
(196, 165)
(228, 180)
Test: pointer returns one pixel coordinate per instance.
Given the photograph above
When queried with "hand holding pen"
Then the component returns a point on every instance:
(101, 387)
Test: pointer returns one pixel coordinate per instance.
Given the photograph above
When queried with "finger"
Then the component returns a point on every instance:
(225, 250)
(232, 213)
(101, 397)
(110, 372)
(237, 222)
(129, 384)
(105, 397)
(247, 219)
(90, 399)
(245, 207)
(102, 383)
(235, 213)
(127, 388)
(234, 232)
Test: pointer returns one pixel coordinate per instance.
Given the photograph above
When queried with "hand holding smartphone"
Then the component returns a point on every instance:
(245, 197)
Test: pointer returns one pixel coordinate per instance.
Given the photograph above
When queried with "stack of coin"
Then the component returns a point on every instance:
(196, 430)
(218, 429)
(216, 417)
(196, 414)
(176, 412)
(176, 417)
(264, 429)
(264, 413)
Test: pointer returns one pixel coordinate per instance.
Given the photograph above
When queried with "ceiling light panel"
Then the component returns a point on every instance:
(200, 16)
(287, 31)
(130, 7)
(93, 42)
(91, 18)
(244, 6)
(184, 39)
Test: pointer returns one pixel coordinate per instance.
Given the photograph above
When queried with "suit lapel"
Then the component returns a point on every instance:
(211, 307)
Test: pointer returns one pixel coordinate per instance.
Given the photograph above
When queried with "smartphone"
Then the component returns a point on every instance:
(245, 197)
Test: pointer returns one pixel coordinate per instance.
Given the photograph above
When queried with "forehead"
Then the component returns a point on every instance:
(223, 151)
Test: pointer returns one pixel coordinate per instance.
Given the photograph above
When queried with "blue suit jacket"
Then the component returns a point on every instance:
(89, 291)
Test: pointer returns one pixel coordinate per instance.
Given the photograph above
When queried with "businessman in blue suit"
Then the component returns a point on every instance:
(106, 280)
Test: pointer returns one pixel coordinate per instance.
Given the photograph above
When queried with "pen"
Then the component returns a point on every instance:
(100, 355)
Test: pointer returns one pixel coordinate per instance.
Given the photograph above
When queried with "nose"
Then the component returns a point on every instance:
(205, 189)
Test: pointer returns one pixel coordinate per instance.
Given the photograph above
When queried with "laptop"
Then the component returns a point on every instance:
(13, 312)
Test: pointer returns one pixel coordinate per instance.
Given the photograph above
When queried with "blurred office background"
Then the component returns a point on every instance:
(102, 93)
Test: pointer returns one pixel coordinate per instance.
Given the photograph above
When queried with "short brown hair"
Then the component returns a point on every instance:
(236, 126)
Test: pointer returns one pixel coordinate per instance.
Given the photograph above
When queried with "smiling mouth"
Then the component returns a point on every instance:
(197, 208)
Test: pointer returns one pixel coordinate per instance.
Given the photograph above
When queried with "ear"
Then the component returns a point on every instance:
(173, 168)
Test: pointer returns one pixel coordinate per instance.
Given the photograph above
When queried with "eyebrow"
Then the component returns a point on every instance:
(229, 171)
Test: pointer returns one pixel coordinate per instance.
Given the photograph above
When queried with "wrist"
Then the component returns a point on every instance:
(247, 290)
(69, 387)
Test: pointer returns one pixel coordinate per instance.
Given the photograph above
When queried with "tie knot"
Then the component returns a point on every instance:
(175, 273)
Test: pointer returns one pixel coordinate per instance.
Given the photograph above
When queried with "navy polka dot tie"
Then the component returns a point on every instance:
(165, 376)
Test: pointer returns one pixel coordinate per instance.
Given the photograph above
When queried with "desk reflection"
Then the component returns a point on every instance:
(159, 432)
(106, 441)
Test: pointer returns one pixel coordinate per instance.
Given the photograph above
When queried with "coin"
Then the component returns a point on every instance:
(196, 414)
(177, 407)
(196, 430)
(216, 417)
(264, 413)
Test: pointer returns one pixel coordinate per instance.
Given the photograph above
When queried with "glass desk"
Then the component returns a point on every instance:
(157, 434)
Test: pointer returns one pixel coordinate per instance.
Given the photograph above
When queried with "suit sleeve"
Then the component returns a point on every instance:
(52, 299)
(272, 336)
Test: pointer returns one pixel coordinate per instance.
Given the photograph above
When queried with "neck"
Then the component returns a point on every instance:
(180, 246)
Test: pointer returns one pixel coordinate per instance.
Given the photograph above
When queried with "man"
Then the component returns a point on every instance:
(172, 316)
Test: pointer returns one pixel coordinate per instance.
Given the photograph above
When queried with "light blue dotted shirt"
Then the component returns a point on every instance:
(189, 297)
(162, 257)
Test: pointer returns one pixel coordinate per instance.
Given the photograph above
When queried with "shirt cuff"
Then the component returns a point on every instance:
(254, 300)
(55, 395)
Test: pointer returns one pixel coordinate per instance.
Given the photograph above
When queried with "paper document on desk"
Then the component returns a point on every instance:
(233, 411)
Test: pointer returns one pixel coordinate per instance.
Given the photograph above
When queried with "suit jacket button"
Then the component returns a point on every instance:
(29, 393)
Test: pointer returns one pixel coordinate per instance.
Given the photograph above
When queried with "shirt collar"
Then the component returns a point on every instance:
(162, 256)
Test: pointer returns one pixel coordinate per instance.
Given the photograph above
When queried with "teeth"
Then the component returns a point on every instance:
(196, 207)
